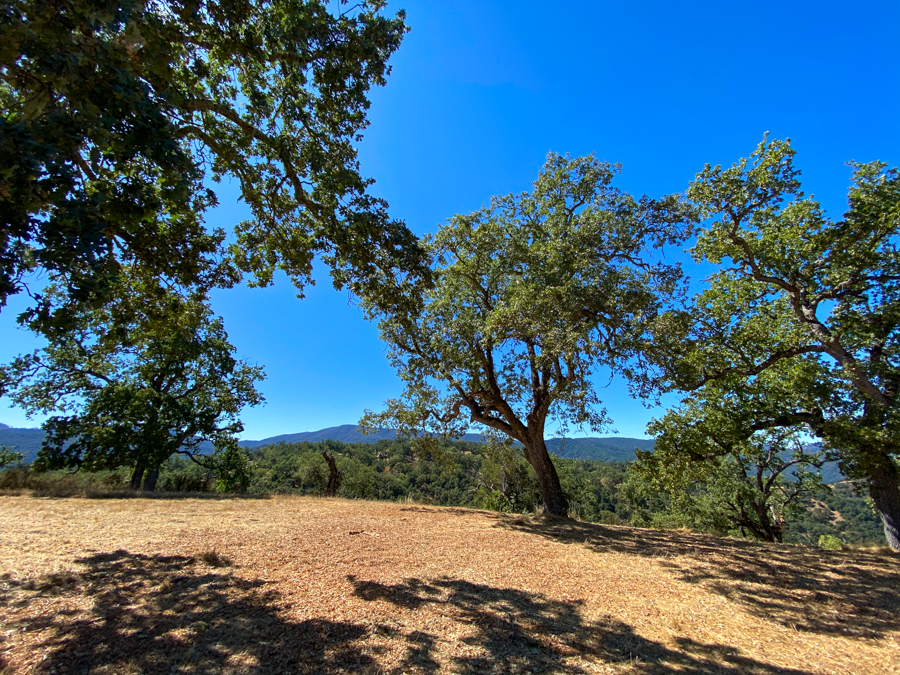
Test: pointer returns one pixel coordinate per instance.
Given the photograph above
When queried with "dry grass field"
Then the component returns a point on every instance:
(301, 585)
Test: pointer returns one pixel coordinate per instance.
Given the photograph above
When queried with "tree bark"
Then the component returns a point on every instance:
(150, 480)
(137, 475)
(551, 491)
(334, 476)
(884, 488)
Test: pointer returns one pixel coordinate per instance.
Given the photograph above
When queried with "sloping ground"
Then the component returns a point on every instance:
(313, 585)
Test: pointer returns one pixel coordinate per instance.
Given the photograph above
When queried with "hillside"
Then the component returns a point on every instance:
(294, 585)
(28, 442)
(609, 449)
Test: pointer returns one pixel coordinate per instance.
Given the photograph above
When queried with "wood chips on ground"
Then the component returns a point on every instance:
(303, 585)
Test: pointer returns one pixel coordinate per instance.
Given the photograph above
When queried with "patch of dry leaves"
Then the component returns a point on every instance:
(302, 585)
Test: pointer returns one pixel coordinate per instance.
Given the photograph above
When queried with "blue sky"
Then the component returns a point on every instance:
(480, 92)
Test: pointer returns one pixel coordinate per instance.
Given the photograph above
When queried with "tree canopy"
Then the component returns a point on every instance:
(800, 327)
(530, 296)
(162, 382)
(714, 477)
(115, 112)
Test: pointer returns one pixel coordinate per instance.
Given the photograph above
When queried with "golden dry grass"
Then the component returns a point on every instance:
(301, 585)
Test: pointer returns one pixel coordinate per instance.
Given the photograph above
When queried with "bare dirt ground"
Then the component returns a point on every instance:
(300, 585)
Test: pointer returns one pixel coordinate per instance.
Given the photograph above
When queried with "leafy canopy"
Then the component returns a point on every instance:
(800, 327)
(711, 476)
(530, 296)
(116, 111)
(163, 381)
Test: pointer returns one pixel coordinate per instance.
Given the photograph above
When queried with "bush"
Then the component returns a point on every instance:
(830, 543)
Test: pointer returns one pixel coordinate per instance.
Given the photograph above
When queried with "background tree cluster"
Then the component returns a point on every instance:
(473, 475)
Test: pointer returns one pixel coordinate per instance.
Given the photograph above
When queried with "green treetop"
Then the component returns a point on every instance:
(530, 296)
(161, 381)
(800, 327)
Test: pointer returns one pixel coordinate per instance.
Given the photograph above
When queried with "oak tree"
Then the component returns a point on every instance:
(530, 296)
(709, 475)
(801, 326)
(162, 381)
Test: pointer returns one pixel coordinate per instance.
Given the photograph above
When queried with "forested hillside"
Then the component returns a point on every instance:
(470, 475)
(613, 449)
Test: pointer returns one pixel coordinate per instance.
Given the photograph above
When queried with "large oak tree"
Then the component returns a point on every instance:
(531, 295)
(801, 327)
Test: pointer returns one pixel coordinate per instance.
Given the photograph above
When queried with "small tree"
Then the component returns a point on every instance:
(801, 327)
(8, 457)
(530, 296)
(715, 478)
(162, 383)
(505, 480)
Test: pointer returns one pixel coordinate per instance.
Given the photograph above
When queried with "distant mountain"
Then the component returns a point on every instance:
(26, 441)
(610, 449)
(346, 433)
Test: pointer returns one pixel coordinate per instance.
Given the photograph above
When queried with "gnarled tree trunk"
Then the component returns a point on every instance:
(334, 476)
(137, 475)
(551, 491)
(150, 480)
(884, 488)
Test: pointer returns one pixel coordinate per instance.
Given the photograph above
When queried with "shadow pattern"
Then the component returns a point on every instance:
(170, 614)
(511, 631)
(131, 613)
(850, 593)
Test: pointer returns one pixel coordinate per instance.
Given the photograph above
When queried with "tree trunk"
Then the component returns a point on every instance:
(884, 488)
(150, 480)
(554, 500)
(137, 475)
(334, 476)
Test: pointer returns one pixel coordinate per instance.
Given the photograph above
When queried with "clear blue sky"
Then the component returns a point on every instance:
(480, 92)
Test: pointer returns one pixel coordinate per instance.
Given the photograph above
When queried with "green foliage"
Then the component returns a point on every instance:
(180, 474)
(22, 478)
(232, 469)
(800, 327)
(115, 111)
(712, 477)
(8, 457)
(830, 543)
(506, 481)
(839, 511)
(161, 383)
(530, 296)
(592, 490)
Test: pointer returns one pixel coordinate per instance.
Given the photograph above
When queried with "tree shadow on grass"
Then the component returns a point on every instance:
(508, 630)
(851, 593)
(172, 614)
(131, 613)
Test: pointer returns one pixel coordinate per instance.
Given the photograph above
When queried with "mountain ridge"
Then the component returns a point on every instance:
(610, 449)
(604, 449)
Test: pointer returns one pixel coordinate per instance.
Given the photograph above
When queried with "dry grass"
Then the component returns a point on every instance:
(300, 585)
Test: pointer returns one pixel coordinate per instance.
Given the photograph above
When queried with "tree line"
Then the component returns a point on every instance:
(115, 112)
(472, 475)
